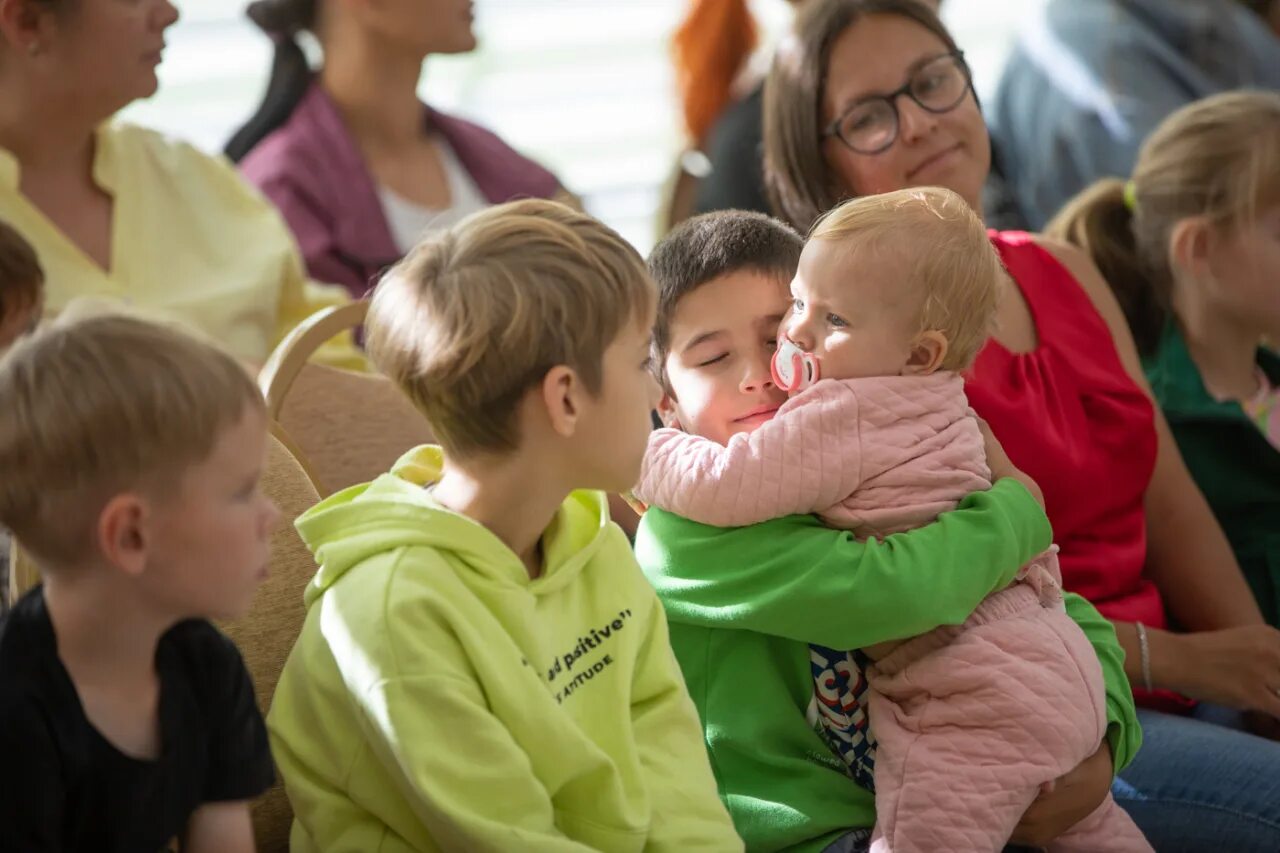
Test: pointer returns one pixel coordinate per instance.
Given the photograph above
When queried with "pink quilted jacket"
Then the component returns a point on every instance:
(971, 721)
(877, 456)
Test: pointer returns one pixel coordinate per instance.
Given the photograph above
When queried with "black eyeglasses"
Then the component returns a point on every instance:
(871, 125)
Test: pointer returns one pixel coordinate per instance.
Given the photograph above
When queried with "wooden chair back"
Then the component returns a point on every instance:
(350, 427)
(267, 633)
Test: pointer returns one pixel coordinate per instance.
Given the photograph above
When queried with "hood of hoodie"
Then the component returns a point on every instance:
(397, 510)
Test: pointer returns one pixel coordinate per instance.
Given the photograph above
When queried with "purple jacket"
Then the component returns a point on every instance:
(312, 170)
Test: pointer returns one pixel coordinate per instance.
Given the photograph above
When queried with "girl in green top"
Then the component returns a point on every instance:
(1191, 246)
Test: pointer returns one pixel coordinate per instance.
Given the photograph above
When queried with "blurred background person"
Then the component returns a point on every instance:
(1088, 80)
(120, 213)
(358, 165)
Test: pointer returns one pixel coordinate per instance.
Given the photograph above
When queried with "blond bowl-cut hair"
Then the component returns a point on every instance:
(953, 266)
(475, 316)
(98, 406)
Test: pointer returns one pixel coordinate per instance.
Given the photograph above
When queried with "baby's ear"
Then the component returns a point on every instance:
(927, 354)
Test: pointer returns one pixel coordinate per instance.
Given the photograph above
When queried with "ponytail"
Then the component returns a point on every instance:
(291, 74)
(1100, 221)
(711, 48)
(1218, 158)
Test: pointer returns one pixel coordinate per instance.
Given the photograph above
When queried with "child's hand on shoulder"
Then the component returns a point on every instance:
(1002, 466)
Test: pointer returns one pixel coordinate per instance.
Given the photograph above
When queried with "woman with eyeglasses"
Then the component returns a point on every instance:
(722, 101)
(357, 164)
(870, 96)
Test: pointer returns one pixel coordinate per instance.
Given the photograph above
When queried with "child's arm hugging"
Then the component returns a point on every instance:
(807, 459)
(794, 577)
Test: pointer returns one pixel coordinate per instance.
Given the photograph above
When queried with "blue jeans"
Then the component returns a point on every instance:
(1198, 784)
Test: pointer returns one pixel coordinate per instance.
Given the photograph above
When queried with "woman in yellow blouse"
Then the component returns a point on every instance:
(121, 213)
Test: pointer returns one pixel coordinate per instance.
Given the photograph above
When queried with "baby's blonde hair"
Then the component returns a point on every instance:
(98, 406)
(953, 265)
(474, 317)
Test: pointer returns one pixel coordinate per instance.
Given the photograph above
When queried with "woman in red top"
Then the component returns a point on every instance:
(870, 96)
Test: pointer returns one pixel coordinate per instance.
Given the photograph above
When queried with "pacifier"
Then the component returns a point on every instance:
(793, 369)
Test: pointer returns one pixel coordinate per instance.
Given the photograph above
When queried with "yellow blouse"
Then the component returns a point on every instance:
(191, 241)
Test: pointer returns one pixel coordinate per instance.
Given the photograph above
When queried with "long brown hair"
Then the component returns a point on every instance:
(1218, 158)
(799, 182)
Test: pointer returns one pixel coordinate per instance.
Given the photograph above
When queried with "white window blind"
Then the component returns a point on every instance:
(584, 86)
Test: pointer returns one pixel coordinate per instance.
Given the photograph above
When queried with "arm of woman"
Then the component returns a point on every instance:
(1232, 656)
(1188, 556)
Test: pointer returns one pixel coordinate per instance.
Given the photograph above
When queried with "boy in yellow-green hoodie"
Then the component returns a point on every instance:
(483, 666)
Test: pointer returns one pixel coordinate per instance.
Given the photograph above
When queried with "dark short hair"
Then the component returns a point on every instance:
(21, 278)
(707, 247)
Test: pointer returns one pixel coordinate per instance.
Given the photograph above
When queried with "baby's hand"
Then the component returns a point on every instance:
(1001, 465)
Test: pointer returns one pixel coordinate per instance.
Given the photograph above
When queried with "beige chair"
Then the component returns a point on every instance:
(349, 426)
(267, 633)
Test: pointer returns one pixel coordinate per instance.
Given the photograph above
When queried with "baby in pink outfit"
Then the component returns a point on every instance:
(894, 296)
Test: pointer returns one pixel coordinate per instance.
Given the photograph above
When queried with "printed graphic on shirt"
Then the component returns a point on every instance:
(839, 710)
(570, 665)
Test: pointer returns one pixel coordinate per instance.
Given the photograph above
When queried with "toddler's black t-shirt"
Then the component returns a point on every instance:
(64, 787)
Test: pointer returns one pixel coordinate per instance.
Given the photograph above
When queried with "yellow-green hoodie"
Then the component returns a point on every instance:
(439, 699)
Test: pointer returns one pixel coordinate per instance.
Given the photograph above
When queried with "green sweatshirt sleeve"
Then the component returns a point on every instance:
(687, 811)
(793, 577)
(1123, 730)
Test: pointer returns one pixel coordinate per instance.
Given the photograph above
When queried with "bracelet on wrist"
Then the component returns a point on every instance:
(1144, 652)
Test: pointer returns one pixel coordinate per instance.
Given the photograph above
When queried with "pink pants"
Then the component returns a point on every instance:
(973, 721)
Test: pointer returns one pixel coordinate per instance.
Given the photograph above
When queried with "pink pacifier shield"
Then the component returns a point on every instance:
(793, 369)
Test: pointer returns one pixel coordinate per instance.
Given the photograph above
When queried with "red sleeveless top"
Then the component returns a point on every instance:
(1070, 416)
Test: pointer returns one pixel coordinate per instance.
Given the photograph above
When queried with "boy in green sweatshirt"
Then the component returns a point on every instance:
(483, 667)
(766, 619)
